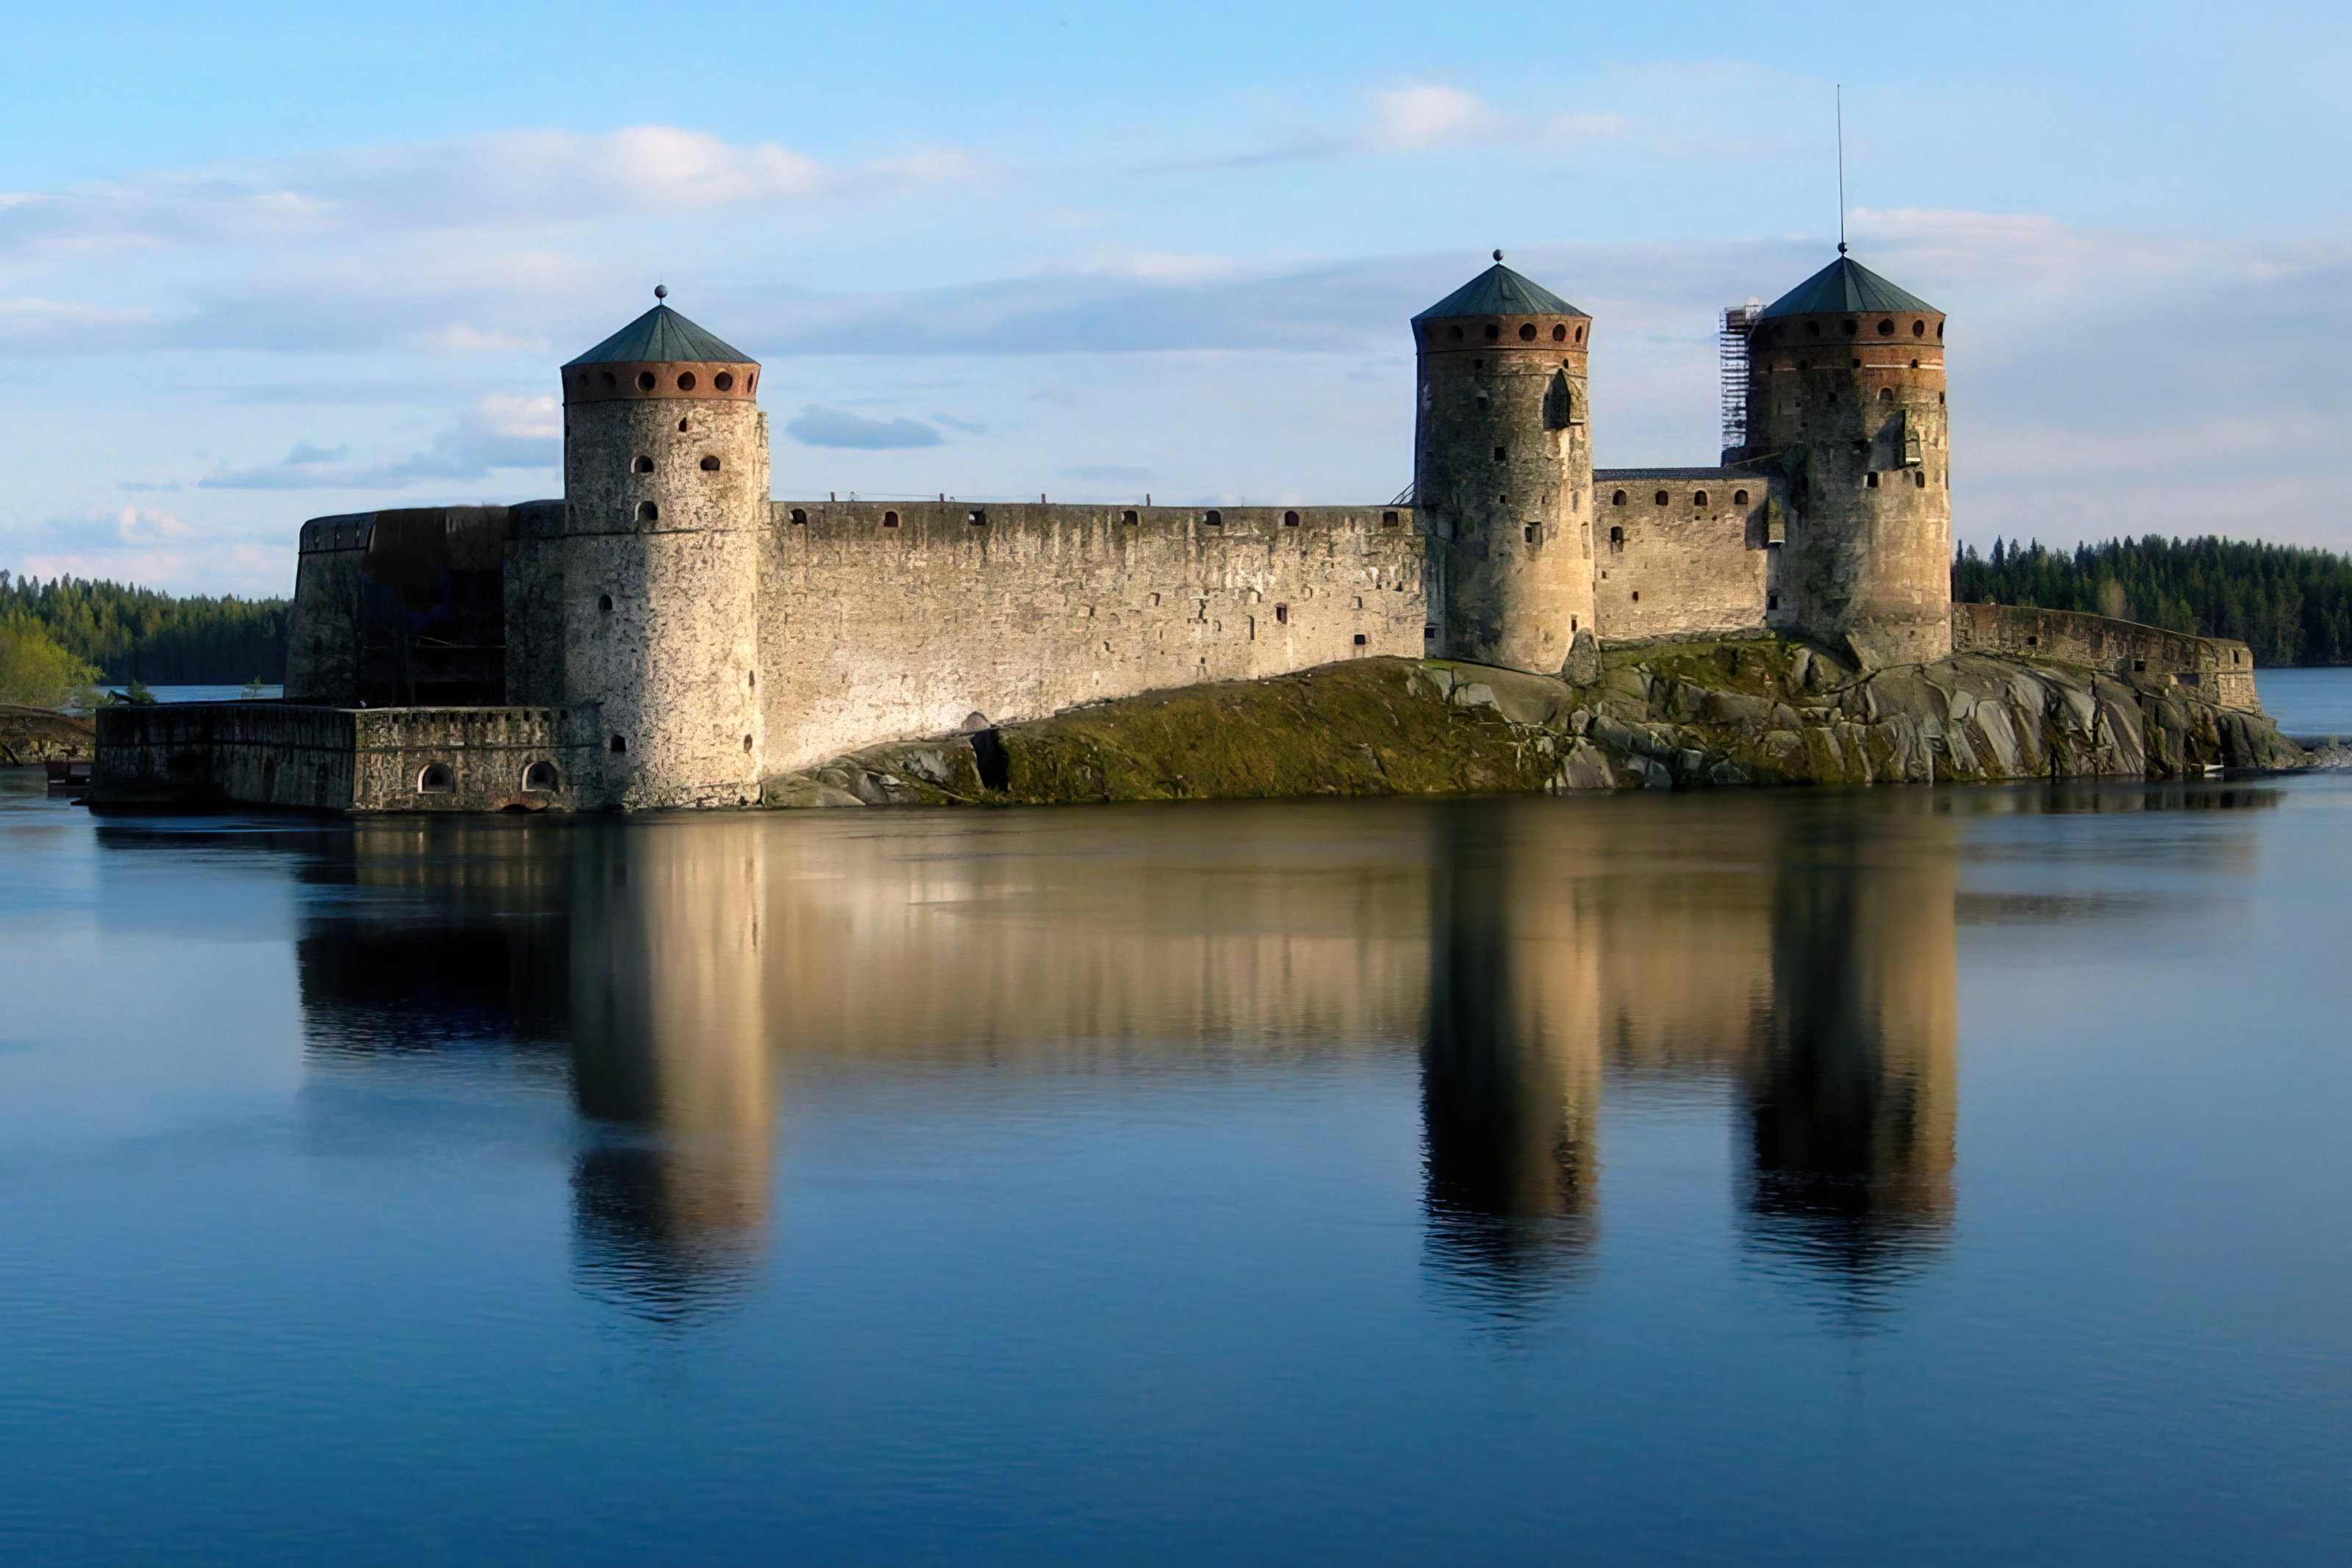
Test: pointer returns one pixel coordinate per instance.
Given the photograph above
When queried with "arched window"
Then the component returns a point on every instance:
(710, 465)
(1214, 519)
(647, 512)
(1699, 498)
(1617, 538)
(1618, 500)
(1739, 497)
(1129, 516)
(977, 519)
(800, 514)
(1886, 395)
(1455, 333)
(889, 519)
(1659, 500)
(436, 779)
(1580, 334)
(604, 602)
(644, 465)
(1852, 328)
(540, 778)
(1290, 519)
(1559, 403)
(616, 745)
(1388, 519)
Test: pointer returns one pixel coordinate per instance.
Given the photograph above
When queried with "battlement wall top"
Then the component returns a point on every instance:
(885, 520)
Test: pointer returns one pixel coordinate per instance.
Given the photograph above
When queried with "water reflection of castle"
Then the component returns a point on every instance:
(1802, 959)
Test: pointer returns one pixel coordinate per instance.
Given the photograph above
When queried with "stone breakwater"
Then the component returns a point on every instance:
(1715, 715)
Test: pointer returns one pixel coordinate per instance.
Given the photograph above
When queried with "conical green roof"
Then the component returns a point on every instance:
(662, 336)
(1845, 285)
(1499, 292)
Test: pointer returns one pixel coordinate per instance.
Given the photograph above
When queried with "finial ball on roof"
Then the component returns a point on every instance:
(1498, 255)
(661, 290)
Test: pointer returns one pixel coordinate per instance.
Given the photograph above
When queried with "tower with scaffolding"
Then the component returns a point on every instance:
(1731, 354)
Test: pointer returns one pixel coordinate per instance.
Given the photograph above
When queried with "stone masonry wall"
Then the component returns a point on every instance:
(1682, 554)
(2216, 668)
(200, 754)
(891, 620)
(322, 638)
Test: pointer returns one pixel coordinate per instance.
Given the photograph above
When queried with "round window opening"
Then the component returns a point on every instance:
(1918, 329)
(1494, 330)
(1559, 334)
(1580, 334)
(1528, 332)
(724, 381)
(644, 465)
(685, 381)
(611, 381)
(644, 380)
(1886, 328)
(710, 465)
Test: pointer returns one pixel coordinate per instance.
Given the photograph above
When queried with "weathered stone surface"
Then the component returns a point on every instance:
(1665, 717)
(31, 735)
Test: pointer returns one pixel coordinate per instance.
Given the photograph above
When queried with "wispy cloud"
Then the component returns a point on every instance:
(498, 432)
(506, 180)
(820, 426)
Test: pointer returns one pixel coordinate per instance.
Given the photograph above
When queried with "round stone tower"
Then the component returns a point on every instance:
(666, 499)
(1502, 467)
(1846, 399)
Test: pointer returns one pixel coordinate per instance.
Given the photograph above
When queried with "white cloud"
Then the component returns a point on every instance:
(1427, 114)
(506, 180)
(497, 434)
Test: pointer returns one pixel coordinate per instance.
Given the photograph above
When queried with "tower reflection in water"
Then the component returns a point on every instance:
(670, 1067)
(628, 954)
(1803, 959)
(1510, 1060)
(1791, 962)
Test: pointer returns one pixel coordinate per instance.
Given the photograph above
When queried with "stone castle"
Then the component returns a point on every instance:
(668, 635)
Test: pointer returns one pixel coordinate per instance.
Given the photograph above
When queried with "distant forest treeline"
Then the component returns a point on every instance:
(136, 633)
(2289, 604)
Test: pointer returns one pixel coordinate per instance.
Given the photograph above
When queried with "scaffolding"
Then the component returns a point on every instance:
(1731, 342)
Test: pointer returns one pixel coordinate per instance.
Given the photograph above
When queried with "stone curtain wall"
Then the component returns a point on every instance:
(2215, 668)
(1689, 567)
(487, 750)
(343, 759)
(888, 619)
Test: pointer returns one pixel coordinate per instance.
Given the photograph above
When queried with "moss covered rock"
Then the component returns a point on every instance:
(1722, 714)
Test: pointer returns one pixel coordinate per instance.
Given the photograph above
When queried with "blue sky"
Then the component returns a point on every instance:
(258, 263)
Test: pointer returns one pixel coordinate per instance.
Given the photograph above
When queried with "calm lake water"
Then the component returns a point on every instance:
(1952, 1176)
